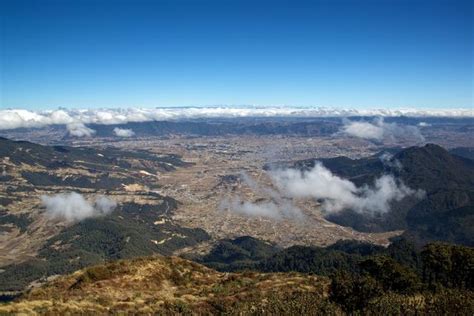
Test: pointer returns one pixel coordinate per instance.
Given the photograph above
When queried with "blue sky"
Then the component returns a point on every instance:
(361, 54)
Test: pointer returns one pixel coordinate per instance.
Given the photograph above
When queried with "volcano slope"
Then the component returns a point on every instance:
(445, 212)
(34, 246)
(170, 285)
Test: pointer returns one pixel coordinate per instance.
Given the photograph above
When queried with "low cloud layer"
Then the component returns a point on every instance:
(333, 192)
(388, 160)
(281, 209)
(379, 130)
(79, 130)
(263, 209)
(275, 206)
(15, 118)
(337, 193)
(73, 207)
(123, 132)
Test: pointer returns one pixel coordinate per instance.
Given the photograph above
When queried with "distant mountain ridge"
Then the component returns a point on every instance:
(465, 152)
(63, 156)
(222, 127)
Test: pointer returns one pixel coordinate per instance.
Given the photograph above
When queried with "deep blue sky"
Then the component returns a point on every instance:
(366, 54)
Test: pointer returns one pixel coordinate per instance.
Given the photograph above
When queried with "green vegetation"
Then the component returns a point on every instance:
(108, 168)
(254, 254)
(170, 285)
(370, 279)
(104, 181)
(364, 295)
(448, 266)
(16, 277)
(238, 254)
(127, 233)
(5, 201)
(465, 152)
(22, 221)
(106, 159)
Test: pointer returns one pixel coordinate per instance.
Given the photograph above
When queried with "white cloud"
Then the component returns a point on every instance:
(379, 130)
(275, 207)
(16, 118)
(319, 183)
(72, 207)
(123, 132)
(282, 209)
(337, 193)
(79, 130)
(264, 209)
(104, 204)
(364, 130)
(424, 124)
(388, 160)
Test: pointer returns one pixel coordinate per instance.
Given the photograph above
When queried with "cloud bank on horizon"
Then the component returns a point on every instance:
(18, 118)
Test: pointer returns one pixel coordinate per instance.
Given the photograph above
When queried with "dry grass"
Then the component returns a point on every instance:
(165, 284)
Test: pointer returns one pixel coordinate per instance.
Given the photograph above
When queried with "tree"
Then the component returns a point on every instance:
(391, 275)
(353, 292)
